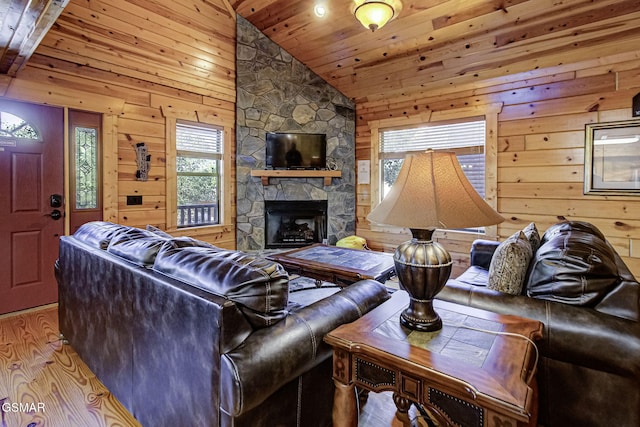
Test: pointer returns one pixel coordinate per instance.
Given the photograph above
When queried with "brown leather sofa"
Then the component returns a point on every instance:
(579, 287)
(184, 333)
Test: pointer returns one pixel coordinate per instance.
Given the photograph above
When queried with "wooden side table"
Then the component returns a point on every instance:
(461, 375)
(338, 265)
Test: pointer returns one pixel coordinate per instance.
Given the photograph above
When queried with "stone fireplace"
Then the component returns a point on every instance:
(277, 93)
(292, 224)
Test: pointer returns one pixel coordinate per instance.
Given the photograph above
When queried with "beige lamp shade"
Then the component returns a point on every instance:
(432, 192)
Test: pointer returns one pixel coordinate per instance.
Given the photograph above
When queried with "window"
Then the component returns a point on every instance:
(85, 174)
(14, 127)
(484, 113)
(198, 173)
(85, 142)
(466, 139)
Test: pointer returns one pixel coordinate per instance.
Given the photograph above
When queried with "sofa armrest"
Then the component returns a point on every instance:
(482, 252)
(273, 356)
(577, 335)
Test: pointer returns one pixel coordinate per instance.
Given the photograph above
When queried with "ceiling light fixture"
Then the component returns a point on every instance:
(374, 14)
(320, 10)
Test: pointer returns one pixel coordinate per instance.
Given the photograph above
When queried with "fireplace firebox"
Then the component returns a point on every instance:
(294, 223)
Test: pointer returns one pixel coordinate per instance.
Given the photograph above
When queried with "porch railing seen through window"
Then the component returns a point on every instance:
(193, 215)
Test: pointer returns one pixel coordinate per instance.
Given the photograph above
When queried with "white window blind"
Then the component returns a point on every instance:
(437, 137)
(199, 139)
(466, 139)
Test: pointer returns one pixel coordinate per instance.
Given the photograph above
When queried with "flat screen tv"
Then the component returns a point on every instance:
(296, 151)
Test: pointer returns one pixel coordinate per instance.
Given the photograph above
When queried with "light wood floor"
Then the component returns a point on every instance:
(56, 389)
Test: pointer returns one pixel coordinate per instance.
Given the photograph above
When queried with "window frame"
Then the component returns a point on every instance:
(459, 151)
(488, 112)
(195, 154)
(225, 185)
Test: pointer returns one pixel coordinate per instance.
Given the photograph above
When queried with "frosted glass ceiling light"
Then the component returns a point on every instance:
(375, 14)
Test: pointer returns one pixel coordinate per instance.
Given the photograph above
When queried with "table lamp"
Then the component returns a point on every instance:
(431, 192)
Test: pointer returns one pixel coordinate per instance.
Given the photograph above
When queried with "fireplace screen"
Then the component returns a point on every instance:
(290, 224)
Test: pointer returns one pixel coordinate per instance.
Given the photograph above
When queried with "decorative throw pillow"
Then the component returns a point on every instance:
(531, 231)
(509, 264)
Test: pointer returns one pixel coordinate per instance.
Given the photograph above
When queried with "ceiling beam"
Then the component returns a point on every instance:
(23, 27)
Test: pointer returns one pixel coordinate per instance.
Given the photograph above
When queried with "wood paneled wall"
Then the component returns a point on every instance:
(540, 149)
(138, 62)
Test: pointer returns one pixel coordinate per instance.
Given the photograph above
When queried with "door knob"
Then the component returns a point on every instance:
(55, 214)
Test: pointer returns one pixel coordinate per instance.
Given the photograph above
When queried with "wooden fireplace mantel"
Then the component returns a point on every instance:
(265, 174)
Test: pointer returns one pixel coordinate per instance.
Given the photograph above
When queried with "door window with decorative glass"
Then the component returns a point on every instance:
(199, 173)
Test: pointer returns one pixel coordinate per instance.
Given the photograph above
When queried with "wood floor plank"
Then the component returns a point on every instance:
(38, 370)
(54, 387)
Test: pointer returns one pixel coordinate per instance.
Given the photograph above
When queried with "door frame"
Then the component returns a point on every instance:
(109, 166)
(110, 108)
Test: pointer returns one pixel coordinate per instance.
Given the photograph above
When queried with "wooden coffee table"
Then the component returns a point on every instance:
(460, 376)
(338, 265)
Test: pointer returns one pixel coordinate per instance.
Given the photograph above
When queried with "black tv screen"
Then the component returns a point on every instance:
(296, 151)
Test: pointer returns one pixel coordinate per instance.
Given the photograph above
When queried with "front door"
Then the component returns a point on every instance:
(31, 204)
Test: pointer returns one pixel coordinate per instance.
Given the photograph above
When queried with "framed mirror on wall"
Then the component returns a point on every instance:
(612, 158)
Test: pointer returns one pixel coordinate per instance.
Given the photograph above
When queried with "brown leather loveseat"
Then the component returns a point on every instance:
(579, 287)
(184, 333)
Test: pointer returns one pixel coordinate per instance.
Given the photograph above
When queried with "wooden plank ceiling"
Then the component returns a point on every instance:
(23, 24)
(434, 46)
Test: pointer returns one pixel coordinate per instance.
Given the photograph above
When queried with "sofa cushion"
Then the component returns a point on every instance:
(574, 265)
(141, 246)
(508, 268)
(482, 252)
(304, 291)
(136, 245)
(474, 275)
(141, 251)
(156, 230)
(259, 286)
(130, 233)
(98, 234)
(188, 242)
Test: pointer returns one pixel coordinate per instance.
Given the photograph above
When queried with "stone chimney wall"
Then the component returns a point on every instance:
(277, 93)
